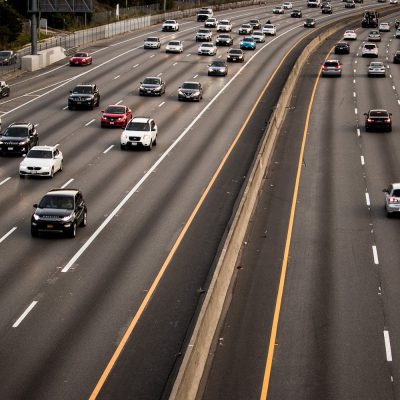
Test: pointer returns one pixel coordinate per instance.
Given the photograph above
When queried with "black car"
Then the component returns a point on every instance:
(235, 55)
(296, 14)
(224, 39)
(7, 57)
(218, 67)
(255, 23)
(60, 211)
(18, 138)
(378, 120)
(350, 4)
(190, 91)
(152, 86)
(342, 48)
(396, 57)
(84, 96)
(4, 89)
(309, 23)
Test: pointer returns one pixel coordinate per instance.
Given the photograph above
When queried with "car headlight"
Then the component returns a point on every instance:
(67, 218)
(210, 70)
(124, 136)
(146, 136)
(36, 217)
(196, 93)
(180, 92)
(23, 143)
(120, 119)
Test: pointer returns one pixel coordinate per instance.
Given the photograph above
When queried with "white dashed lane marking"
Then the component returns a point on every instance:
(367, 200)
(362, 160)
(90, 122)
(108, 149)
(136, 65)
(117, 77)
(161, 104)
(67, 183)
(355, 111)
(375, 254)
(387, 346)
(3, 238)
(24, 314)
(358, 132)
(5, 180)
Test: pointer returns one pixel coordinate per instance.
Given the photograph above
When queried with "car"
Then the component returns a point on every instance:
(326, 9)
(59, 211)
(4, 89)
(139, 132)
(84, 96)
(269, 30)
(309, 23)
(248, 43)
(376, 68)
(18, 138)
(152, 42)
(369, 50)
(170, 25)
(392, 199)
(224, 25)
(203, 34)
(7, 57)
(397, 33)
(349, 4)
(331, 68)
(224, 39)
(235, 55)
(255, 23)
(396, 57)
(287, 5)
(342, 48)
(384, 27)
(393, 1)
(81, 58)
(278, 10)
(381, 1)
(296, 14)
(245, 29)
(115, 115)
(258, 36)
(211, 23)
(350, 35)
(207, 49)
(41, 161)
(374, 36)
(174, 46)
(190, 91)
(204, 14)
(152, 85)
(378, 120)
(218, 67)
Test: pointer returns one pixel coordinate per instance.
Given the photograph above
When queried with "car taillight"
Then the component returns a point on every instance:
(387, 120)
(393, 200)
(369, 119)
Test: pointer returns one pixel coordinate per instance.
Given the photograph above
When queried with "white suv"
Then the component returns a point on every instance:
(224, 25)
(139, 132)
(369, 50)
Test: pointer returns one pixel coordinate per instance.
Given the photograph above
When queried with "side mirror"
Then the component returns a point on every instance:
(390, 114)
(366, 114)
(35, 205)
(102, 111)
(385, 191)
(154, 128)
(70, 91)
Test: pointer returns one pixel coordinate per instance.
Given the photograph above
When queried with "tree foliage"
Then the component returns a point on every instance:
(10, 24)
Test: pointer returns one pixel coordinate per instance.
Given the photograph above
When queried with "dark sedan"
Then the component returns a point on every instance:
(396, 57)
(309, 23)
(342, 48)
(152, 86)
(378, 120)
(190, 91)
(296, 14)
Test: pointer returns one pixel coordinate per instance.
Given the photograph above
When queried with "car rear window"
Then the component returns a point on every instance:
(369, 46)
(396, 193)
(331, 64)
(379, 114)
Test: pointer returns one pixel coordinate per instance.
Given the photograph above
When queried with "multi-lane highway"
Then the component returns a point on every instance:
(107, 314)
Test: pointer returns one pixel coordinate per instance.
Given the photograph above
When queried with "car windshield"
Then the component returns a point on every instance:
(170, 22)
(115, 110)
(5, 53)
(152, 81)
(152, 39)
(57, 202)
(224, 23)
(174, 43)
(39, 154)
(83, 90)
(369, 46)
(16, 131)
(218, 63)
(224, 36)
(203, 31)
(267, 26)
(207, 45)
(138, 126)
(81, 55)
(248, 39)
(190, 85)
(235, 52)
(374, 33)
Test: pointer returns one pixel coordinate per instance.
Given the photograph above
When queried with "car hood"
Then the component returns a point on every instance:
(13, 139)
(35, 162)
(150, 85)
(80, 95)
(218, 67)
(78, 58)
(111, 115)
(53, 212)
(189, 90)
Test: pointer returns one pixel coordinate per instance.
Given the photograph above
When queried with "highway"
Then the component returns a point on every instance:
(107, 315)
(337, 316)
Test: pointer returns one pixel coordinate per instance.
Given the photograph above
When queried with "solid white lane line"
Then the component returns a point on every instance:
(108, 149)
(375, 253)
(117, 77)
(367, 200)
(90, 122)
(358, 132)
(3, 238)
(161, 104)
(25, 313)
(67, 183)
(387, 346)
(362, 160)
(5, 180)
(119, 102)
(195, 76)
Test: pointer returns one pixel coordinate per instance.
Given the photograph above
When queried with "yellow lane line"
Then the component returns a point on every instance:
(274, 329)
(176, 245)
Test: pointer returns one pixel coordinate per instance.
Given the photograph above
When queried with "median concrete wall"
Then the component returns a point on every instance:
(189, 378)
(42, 59)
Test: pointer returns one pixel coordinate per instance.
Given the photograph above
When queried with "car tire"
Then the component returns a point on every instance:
(34, 232)
(71, 233)
(98, 102)
(51, 173)
(22, 176)
(155, 141)
(150, 146)
(123, 147)
(61, 166)
(84, 219)
(92, 105)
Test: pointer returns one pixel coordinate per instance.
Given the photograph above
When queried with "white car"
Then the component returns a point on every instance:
(224, 25)
(369, 50)
(174, 46)
(278, 10)
(384, 27)
(139, 132)
(374, 36)
(376, 68)
(269, 29)
(203, 34)
(211, 23)
(245, 29)
(393, 1)
(41, 161)
(287, 5)
(350, 35)
(207, 49)
(258, 36)
(170, 25)
(152, 42)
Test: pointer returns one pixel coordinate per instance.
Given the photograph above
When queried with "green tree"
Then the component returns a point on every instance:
(10, 24)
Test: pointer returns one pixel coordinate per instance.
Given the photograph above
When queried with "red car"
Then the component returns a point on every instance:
(116, 115)
(80, 59)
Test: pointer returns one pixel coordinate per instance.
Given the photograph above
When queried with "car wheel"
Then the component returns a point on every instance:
(123, 147)
(98, 102)
(52, 173)
(72, 231)
(155, 141)
(34, 232)
(84, 219)
(150, 146)
(388, 214)
(22, 176)
(61, 166)
(92, 105)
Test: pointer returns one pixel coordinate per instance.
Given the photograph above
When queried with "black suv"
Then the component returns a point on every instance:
(61, 211)
(378, 120)
(18, 138)
(235, 55)
(342, 48)
(84, 96)
(4, 89)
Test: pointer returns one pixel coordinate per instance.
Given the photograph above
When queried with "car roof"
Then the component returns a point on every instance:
(396, 185)
(142, 120)
(63, 192)
(20, 124)
(44, 147)
(191, 82)
(152, 37)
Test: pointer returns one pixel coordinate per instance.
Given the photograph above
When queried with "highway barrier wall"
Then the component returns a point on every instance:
(193, 368)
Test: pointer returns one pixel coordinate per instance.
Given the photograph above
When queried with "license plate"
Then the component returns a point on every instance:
(111, 123)
(50, 226)
(149, 91)
(76, 62)
(78, 102)
(10, 148)
(133, 144)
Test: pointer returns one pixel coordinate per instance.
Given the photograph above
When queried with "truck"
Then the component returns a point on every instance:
(370, 19)
(313, 3)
